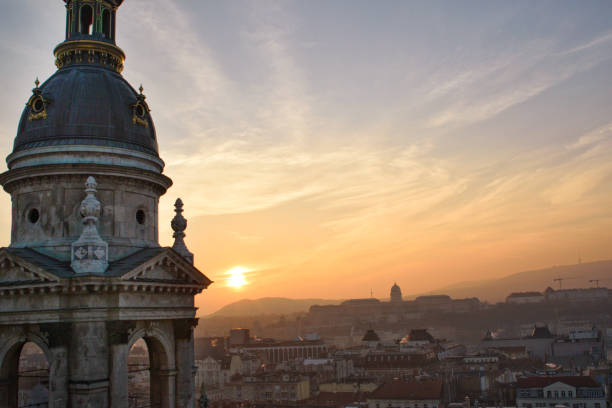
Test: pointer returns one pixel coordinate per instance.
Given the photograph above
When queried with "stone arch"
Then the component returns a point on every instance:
(161, 362)
(10, 352)
(158, 341)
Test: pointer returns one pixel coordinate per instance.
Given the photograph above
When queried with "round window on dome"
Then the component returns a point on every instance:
(38, 105)
(140, 111)
(33, 216)
(141, 217)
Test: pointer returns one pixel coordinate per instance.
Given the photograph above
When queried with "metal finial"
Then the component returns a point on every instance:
(141, 89)
(37, 82)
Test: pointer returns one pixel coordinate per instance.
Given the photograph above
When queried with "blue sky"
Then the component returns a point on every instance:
(362, 142)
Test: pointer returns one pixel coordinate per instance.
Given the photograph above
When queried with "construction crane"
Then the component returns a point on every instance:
(596, 281)
(560, 280)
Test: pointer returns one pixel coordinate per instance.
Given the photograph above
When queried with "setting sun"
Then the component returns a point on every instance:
(236, 277)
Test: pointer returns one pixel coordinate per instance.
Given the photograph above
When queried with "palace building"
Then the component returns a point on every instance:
(84, 277)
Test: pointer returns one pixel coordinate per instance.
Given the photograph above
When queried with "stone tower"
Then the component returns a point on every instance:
(84, 276)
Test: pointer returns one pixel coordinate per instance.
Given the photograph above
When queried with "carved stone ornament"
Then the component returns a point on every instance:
(90, 252)
(179, 225)
(37, 104)
(140, 110)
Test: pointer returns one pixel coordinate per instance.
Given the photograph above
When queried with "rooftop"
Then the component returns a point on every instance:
(413, 390)
(574, 381)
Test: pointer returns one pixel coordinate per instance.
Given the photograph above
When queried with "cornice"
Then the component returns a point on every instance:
(48, 172)
(93, 285)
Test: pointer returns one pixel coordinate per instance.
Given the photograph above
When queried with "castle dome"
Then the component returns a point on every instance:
(396, 293)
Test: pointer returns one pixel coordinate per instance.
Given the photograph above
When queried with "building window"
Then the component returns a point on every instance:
(570, 394)
(548, 394)
(33, 216)
(141, 217)
(563, 393)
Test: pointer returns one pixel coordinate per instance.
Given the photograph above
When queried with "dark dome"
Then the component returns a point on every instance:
(88, 105)
(370, 336)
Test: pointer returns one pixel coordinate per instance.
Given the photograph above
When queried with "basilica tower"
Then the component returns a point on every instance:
(84, 276)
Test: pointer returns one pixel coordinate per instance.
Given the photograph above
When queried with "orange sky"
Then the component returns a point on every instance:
(336, 147)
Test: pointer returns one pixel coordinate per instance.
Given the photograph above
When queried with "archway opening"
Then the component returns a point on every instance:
(106, 24)
(86, 20)
(139, 375)
(32, 377)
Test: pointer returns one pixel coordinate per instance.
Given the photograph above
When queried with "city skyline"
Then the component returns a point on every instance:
(323, 149)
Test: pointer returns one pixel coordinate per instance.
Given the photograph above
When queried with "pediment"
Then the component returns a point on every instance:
(558, 385)
(15, 270)
(168, 267)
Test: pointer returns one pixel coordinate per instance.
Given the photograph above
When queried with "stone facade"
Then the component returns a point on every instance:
(84, 277)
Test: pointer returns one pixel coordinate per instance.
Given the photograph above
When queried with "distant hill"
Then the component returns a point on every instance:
(496, 290)
(493, 290)
(271, 305)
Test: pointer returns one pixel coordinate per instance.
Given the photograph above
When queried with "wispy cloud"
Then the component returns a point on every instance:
(495, 85)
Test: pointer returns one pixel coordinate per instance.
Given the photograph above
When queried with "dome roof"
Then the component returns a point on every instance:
(370, 336)
(86, 105)
(419, 335)
(396, 293)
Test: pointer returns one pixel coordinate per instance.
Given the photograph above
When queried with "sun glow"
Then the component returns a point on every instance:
(236, 278)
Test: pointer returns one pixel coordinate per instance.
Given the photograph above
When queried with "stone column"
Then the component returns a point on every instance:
(88, 357)
(184, 356)
(58, 335)
(118, 365)
(163, 392)
(8, 391)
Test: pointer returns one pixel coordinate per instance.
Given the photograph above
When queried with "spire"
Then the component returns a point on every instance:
(179, 225)
(90, 252)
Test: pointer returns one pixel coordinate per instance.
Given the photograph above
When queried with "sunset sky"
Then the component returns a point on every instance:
(329, 148)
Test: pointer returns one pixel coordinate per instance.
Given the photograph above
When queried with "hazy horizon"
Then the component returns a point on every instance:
(327, 149)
